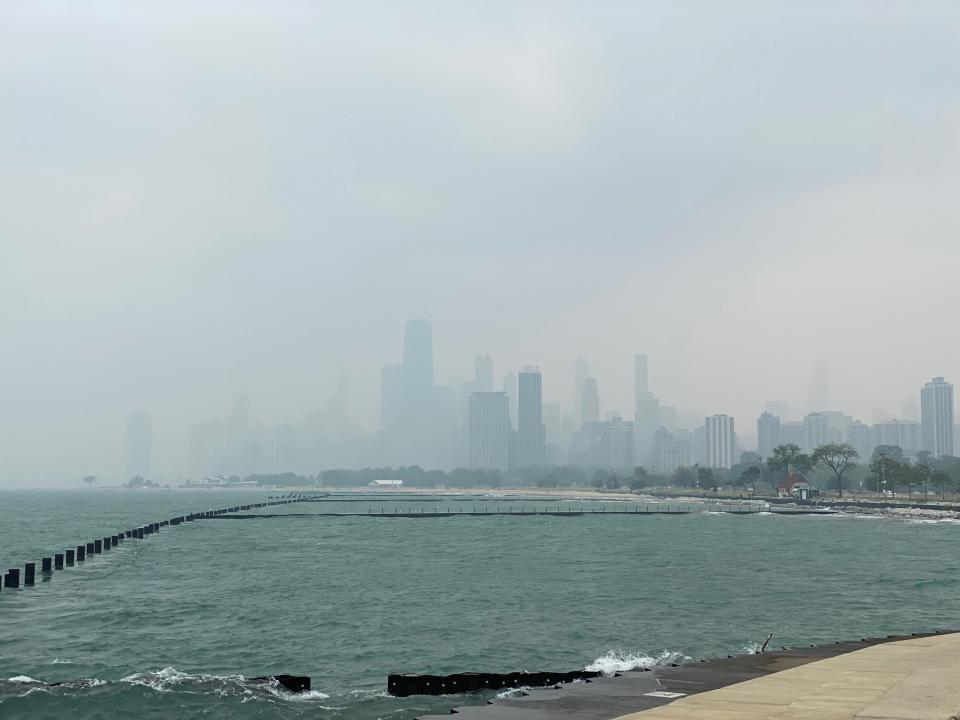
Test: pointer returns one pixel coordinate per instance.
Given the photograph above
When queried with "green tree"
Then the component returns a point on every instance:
(640, 478)
(684, 476)
(924, 471)
(613, 483)
(907, 476)
(839, 457)
(939, 479)
(884, 471)
(789, 458)
(598, 480)
(750, 476)
(707, 479)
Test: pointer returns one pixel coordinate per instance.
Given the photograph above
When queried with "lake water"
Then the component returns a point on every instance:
(172, 626)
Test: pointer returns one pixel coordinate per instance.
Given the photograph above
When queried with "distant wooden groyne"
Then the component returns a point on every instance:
(86, 551)
(534, 511)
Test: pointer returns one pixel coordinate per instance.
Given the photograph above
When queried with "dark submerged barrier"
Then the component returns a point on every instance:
(406, 684)
(59, 560)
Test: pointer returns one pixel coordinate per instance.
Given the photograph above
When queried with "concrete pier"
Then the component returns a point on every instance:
(909, 679)
(892, 678)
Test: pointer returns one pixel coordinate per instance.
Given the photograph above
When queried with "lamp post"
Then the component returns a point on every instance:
(883, 479)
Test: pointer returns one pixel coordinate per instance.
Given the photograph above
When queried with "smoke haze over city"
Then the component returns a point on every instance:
(210, 217)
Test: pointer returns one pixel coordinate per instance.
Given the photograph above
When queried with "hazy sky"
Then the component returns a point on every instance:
(200, 197)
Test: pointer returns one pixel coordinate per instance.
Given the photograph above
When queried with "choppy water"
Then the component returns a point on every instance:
(171, 626)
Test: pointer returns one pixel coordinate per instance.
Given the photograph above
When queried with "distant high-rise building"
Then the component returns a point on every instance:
(700, 445)
(590, 401)
(936, 413)
(861, 438)
(139, 445)
(619, 443)
(903, 433)
(483, 373)
(780, 408)
(721, 441)
(418, 354)
(646, 417)
(768, 434)
(956, 438)
(509, 386)
(671, 451)
(793, 433)
(669, 417)
(580, 373)
(419, 419)
(553, 422)
(607, 444)
(489, 431)
(817, 427)
(530, 430)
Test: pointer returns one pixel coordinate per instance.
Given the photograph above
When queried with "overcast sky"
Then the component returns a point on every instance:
(197, 198)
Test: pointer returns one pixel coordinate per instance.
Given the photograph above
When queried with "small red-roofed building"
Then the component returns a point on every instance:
(795, 485)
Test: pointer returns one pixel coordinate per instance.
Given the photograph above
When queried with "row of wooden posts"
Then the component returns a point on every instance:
(81, 552)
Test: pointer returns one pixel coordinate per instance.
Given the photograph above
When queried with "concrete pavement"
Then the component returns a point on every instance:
(915, 679)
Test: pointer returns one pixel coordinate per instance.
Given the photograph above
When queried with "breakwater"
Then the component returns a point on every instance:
(624, 693)
(82, 552)
(491, 510)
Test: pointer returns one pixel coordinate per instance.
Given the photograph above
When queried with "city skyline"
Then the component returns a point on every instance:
(538, 190)
(419, 417)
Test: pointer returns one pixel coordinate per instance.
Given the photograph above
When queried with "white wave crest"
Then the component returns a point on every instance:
(752, 648)
(279, 691)
(512, 692)
(614, 661)
(23, 679)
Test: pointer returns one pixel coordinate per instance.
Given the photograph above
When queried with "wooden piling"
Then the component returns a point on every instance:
(58, 561)
(46, 565)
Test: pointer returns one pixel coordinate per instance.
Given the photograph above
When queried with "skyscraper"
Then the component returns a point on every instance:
(580, 373)
(418, 354)
(721, 441)
(768, 434)
(139, 445)
(818, 434)
(902, 433)
(530, 430)
(419, 419)
(590, 401)
(793, 433)
(619, 443)
(483, 373)
(861, 438)
(509, 386)
(646, 417)
(489, 432)
(936, 417)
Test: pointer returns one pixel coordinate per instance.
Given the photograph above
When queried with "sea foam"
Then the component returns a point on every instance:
(614, 661)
